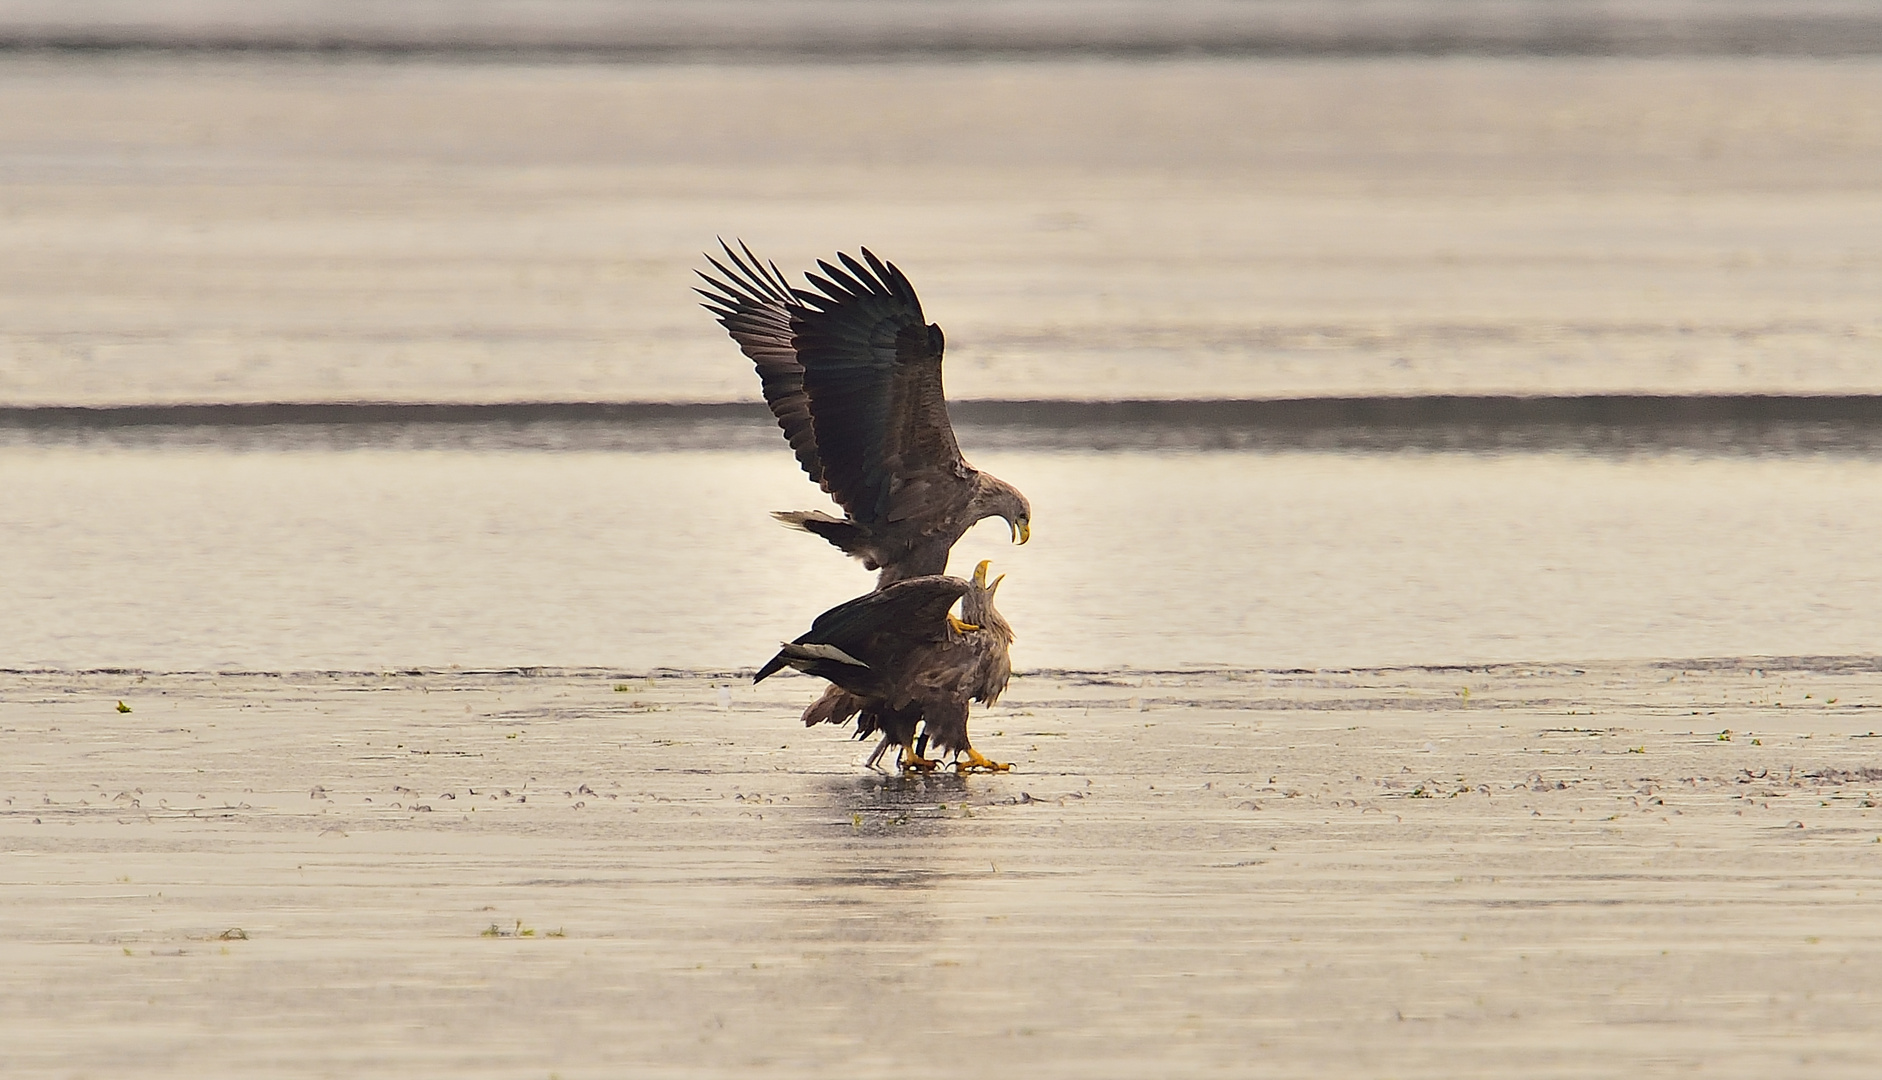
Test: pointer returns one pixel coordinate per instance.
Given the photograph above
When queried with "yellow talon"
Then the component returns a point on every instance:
(959, 626)
(970, 759)
(912, 760)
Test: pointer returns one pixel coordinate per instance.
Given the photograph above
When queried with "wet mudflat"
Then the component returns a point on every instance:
(1645, 868)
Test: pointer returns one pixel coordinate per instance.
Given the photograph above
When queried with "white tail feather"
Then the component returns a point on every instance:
(821, 652)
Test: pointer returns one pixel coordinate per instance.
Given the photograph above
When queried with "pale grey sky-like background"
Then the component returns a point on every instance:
(313, 226)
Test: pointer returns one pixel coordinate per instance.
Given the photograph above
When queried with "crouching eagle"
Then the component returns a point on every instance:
(853, 375)
(898, 658)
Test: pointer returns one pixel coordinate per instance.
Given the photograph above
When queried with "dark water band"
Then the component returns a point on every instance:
(1435, 410)
(1721, 424)
(820, 31)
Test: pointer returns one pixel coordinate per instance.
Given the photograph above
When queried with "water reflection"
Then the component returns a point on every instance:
(494, 551)
(896, 806)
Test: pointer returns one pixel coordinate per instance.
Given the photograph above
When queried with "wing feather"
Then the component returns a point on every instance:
(872, 373)
(890, 276)
(909, 612)
(753, 302)
(848, 283)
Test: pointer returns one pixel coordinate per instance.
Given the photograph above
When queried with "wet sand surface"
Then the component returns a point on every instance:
(1634, 869)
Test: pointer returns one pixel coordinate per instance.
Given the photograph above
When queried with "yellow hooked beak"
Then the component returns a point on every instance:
(1022, 530)
(980, 573)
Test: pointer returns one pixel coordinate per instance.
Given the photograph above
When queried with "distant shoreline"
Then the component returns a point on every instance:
(819, 31)
(1709, 424)
(1440, 410)
(1863, 40)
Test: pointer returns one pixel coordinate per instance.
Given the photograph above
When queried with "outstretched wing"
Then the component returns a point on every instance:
(876, 627)
(872, 373)
(753, 301)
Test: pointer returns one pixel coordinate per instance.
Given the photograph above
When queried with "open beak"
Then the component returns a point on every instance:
(980, 573)
(1022, 531)
(993, 588)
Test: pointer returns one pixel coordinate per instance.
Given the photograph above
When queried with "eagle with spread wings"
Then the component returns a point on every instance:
(898, 657)
(852, 372)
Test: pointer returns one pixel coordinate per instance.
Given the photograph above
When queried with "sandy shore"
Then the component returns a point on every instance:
(1634, 870)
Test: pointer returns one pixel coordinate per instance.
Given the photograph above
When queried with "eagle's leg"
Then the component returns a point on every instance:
(970, 759)
(913, 760)
(876, 755)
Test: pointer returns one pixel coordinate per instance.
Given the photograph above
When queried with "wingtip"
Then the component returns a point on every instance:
(747, 277)
(862, 274)
(849, 286)
(772, 667)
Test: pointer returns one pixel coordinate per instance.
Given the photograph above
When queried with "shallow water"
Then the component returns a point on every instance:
(190, 557)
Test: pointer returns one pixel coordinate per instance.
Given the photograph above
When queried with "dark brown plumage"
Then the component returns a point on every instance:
(853, 375)
(898, 659)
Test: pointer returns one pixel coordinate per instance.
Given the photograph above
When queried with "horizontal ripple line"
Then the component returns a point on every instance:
(1438, 410)
(819, 31)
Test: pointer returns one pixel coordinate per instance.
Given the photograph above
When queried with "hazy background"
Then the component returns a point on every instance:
(503, 202)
